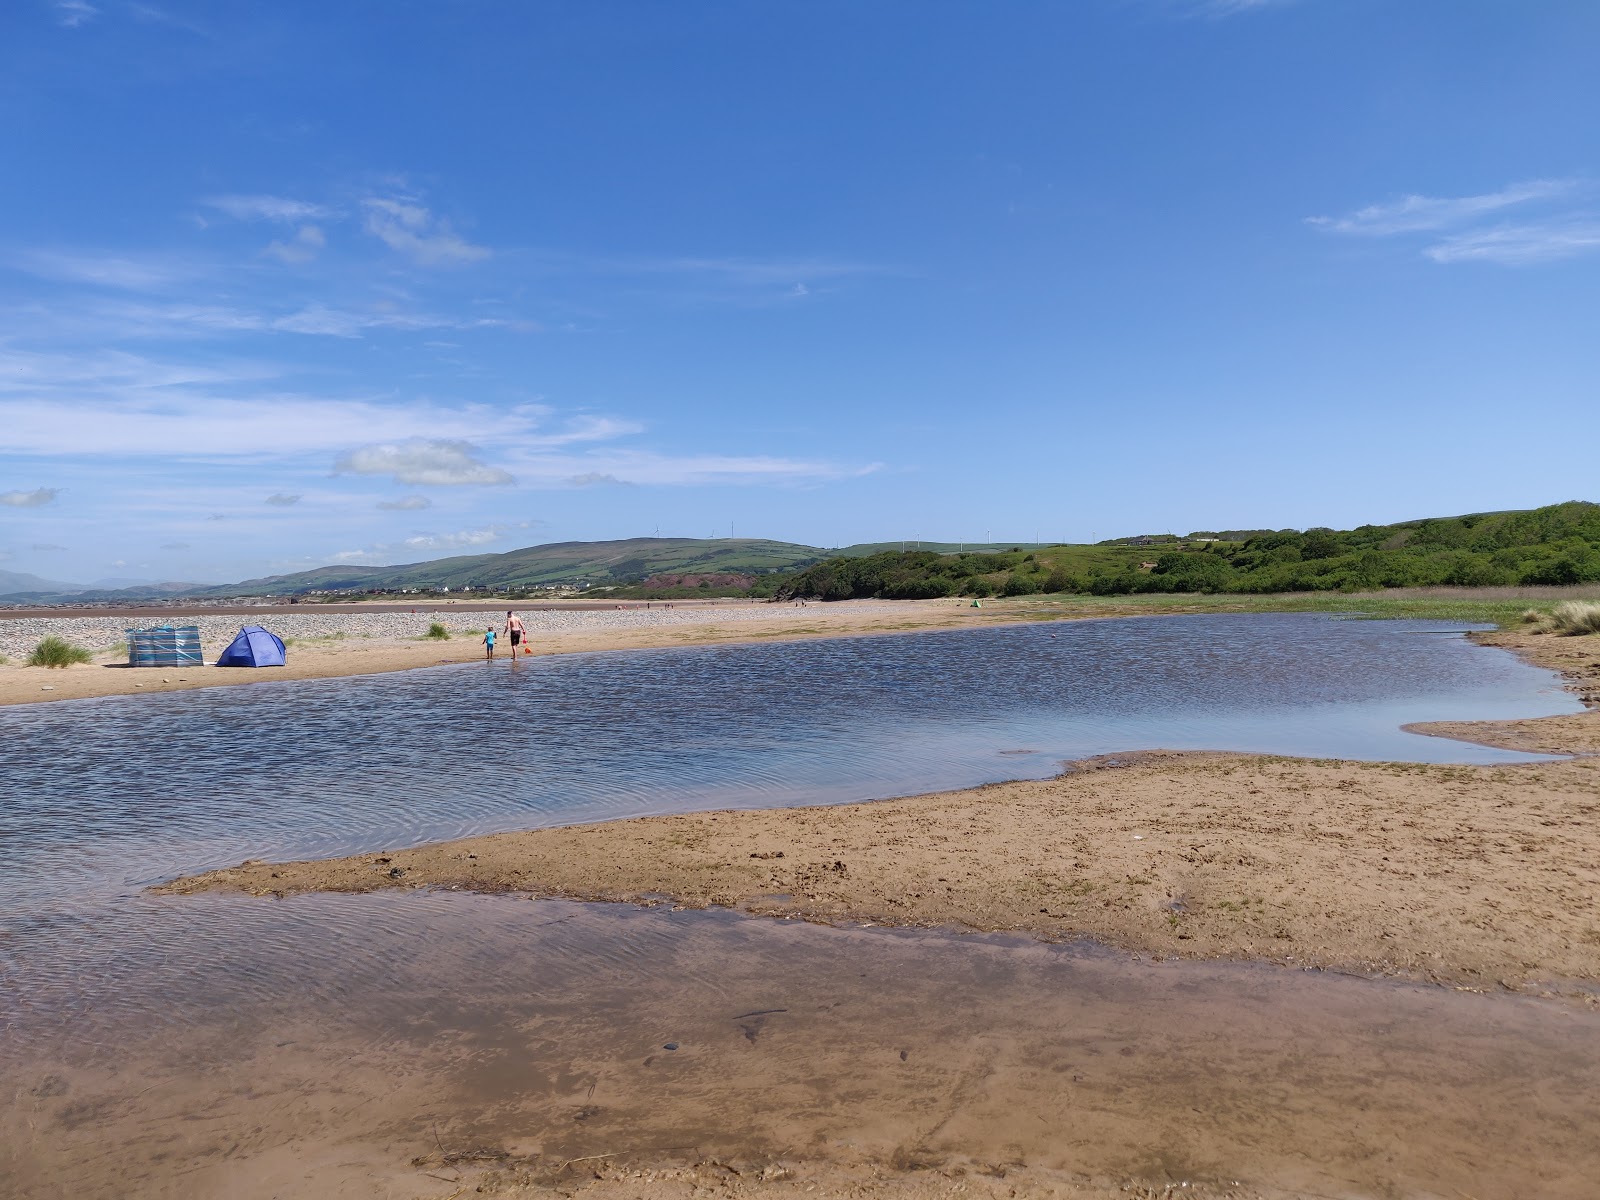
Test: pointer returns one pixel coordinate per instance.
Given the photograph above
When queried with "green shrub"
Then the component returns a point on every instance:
(54, 652)
(438, 632)
(1532, 616)
(1059, 581)
(1018, 584)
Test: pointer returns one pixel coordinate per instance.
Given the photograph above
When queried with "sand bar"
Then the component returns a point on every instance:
(327, 644)
(1478, 877)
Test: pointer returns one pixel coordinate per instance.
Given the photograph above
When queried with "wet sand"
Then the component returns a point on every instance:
(437, 1045)
(1477, 877)
(702, 624)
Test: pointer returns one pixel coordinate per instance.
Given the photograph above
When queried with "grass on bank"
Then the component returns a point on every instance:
(437, 632)
(1503, 607)
(1572, 618)
(56, 652)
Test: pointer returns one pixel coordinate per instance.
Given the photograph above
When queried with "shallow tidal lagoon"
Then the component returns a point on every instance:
(238, 1008)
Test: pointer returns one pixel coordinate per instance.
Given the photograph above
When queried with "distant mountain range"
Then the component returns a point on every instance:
(21, 581)
(593, 563)
(557, 563)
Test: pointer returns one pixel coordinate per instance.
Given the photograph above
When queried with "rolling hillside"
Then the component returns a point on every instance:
(557, 563)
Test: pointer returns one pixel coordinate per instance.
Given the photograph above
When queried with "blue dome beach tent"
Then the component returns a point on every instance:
(254, 647)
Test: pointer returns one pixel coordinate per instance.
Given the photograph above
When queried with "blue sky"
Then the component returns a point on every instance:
(301, 283)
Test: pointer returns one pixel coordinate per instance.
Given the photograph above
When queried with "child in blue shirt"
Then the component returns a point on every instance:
(488, 645)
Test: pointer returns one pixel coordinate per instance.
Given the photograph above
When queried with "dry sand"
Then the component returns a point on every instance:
(1479, 877)
(587, 630)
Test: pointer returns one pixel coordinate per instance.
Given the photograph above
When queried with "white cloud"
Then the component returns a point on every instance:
(1230, 8)
(319, 320)
(423, 543)
(111, 371)
(282, 499)
(73, 13)
(1463, 235)
(107, 320)
(175, 545)
(435, 462)
(124, 406)
(1420, 214)
(414, 231)
(304, 246)
(453, 541)
(671, 470)
(133, 273)
(270, 208)
(1520, 245)
(45, 547)
(405, 504)
(34, 499)
(129, 405)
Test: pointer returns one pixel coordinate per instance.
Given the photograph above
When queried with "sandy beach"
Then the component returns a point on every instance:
(335, 644)
(1476, 877)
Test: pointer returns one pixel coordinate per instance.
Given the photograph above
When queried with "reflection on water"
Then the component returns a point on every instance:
(336, 1039)
(102, 797)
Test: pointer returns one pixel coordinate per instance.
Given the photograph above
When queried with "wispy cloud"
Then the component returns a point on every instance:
(73, 13)
(424, 461)
(1233, 8)
(1419, 214)
(1462, 232)
(304, 246)
(628, 466)
(175, 545)
(429, 543)
(270, 208)
(282, 499)
(1520, 245)
(45, 547)
(406, 504)
(154, 15)
(130, 272)
(408, 227)
(34, 499)
(103, 319)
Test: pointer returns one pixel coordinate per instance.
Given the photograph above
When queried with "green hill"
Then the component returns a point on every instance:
(594, 563)
(1555, 545)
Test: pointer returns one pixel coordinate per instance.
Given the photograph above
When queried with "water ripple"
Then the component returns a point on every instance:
(103, 797)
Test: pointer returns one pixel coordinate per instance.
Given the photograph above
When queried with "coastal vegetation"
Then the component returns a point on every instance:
(1545, 547)
(57, 652)
(1573, 617)
(438, 632)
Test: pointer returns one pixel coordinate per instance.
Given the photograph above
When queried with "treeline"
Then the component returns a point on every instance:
(923, 575)
(1559, 544)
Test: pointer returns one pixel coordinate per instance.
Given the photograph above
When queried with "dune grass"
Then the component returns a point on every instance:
(437, 633)
(1572, 618)
(56, 652)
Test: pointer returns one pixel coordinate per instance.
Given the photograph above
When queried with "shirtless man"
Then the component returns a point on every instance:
(516, 633)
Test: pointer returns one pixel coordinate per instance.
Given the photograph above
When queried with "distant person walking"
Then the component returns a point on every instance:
(488, 645)
(516, 634)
